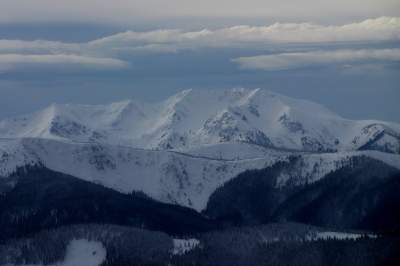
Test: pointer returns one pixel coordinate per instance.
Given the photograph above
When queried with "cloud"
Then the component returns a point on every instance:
(285, 61)
(171, 41)
(38, 46)
(11, 62)
(379, 29)
(112, 51)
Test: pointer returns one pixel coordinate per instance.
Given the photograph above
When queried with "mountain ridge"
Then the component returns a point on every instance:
(182, 149)
(168, 176)
(194, 118)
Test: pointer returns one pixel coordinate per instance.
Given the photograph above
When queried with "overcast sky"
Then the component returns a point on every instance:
(343, 54)
(132, 10)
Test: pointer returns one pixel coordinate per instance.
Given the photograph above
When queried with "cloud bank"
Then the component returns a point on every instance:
(379, 29)
(113, 52)
(316, 58)
(9, 62)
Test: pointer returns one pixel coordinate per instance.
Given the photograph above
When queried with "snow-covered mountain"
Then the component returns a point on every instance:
(184, 148)
(194, 118)
(166, 176)
(169, 176)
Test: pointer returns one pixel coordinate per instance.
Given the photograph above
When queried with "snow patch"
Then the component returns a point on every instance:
(336, 235)
(81, 252)
(84, 253)
(182, 246)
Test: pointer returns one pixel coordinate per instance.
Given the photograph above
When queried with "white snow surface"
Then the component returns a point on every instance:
(167, 176)
(81, 252)
(182, 246)
(336, 235)
(193, 118)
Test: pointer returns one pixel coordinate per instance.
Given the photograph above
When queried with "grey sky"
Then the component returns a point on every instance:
(125, 11)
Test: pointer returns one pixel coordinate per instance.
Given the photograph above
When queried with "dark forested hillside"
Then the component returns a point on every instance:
(362, 252)
(44, 199)
(363, 195)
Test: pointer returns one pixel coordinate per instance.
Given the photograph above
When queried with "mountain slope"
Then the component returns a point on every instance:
(166, 176)
(170, 176)
(193, 118)
(43, 199)
(361, 195)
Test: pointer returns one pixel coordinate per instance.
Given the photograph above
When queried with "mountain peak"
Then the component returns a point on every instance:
(193, 118)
